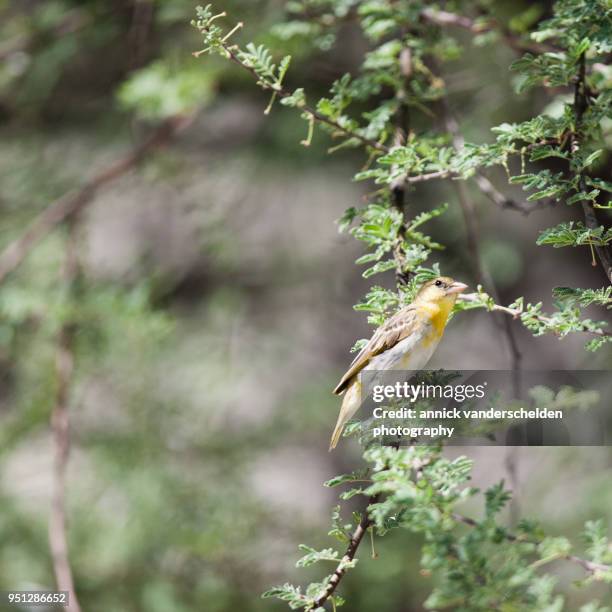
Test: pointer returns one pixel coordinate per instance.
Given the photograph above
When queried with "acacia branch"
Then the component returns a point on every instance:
(590, 566)
(72, 203)
(60, 423)
(515, 313)
(485, 185)
(282, 92)
(364, 524)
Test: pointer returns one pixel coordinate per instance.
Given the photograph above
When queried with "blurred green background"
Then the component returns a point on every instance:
(216, 313)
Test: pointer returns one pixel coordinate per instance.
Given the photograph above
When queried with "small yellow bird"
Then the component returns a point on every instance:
(406, 341)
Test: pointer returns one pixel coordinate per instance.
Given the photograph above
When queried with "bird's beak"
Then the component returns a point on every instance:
(457, 287)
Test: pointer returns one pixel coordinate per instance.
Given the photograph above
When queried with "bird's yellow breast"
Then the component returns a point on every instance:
(437, 313)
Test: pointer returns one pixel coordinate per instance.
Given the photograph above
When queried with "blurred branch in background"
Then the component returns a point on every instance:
(73, 21)
(143, 14)
(60, 423)
(485, 23)
(71, 204)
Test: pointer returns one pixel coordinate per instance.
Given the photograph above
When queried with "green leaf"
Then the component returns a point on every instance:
(313, 556)
(554, 548)
(591, 158)
(381, 266)
(296, 100)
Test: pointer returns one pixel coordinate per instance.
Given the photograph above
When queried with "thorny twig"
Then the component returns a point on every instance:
(516, 313)
(364, 524)
(282, 92)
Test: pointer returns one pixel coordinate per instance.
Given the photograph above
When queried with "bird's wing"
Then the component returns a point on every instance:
(398, 327)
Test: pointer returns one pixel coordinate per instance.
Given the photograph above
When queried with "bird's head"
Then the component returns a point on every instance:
(440, 290)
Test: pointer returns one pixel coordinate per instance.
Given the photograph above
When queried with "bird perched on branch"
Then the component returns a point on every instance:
(406, 341)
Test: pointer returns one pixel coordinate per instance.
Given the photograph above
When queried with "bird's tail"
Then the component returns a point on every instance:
(350, 403)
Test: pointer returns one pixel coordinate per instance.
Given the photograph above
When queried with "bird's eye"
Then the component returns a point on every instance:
(438, 283)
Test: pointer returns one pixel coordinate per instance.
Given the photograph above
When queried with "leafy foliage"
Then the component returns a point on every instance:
(399, 62)
(476, 567)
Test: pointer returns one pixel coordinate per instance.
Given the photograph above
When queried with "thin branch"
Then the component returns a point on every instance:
(60, 422)
(282, 92)
(364, 524)
(72, 21)
(445, 18)
(590, 566)
(422, 178)
(590, 218)
(484, 184)
(143, 14)
(489, 189)
(72, 203)
(515, 313)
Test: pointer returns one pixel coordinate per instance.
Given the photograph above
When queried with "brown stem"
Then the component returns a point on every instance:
(488, 189)
(515, 313)
(364, 524)
(590, 566)
(590, 220)
(60, 423)
(70, 204)
(143, 18)
(469, 214)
